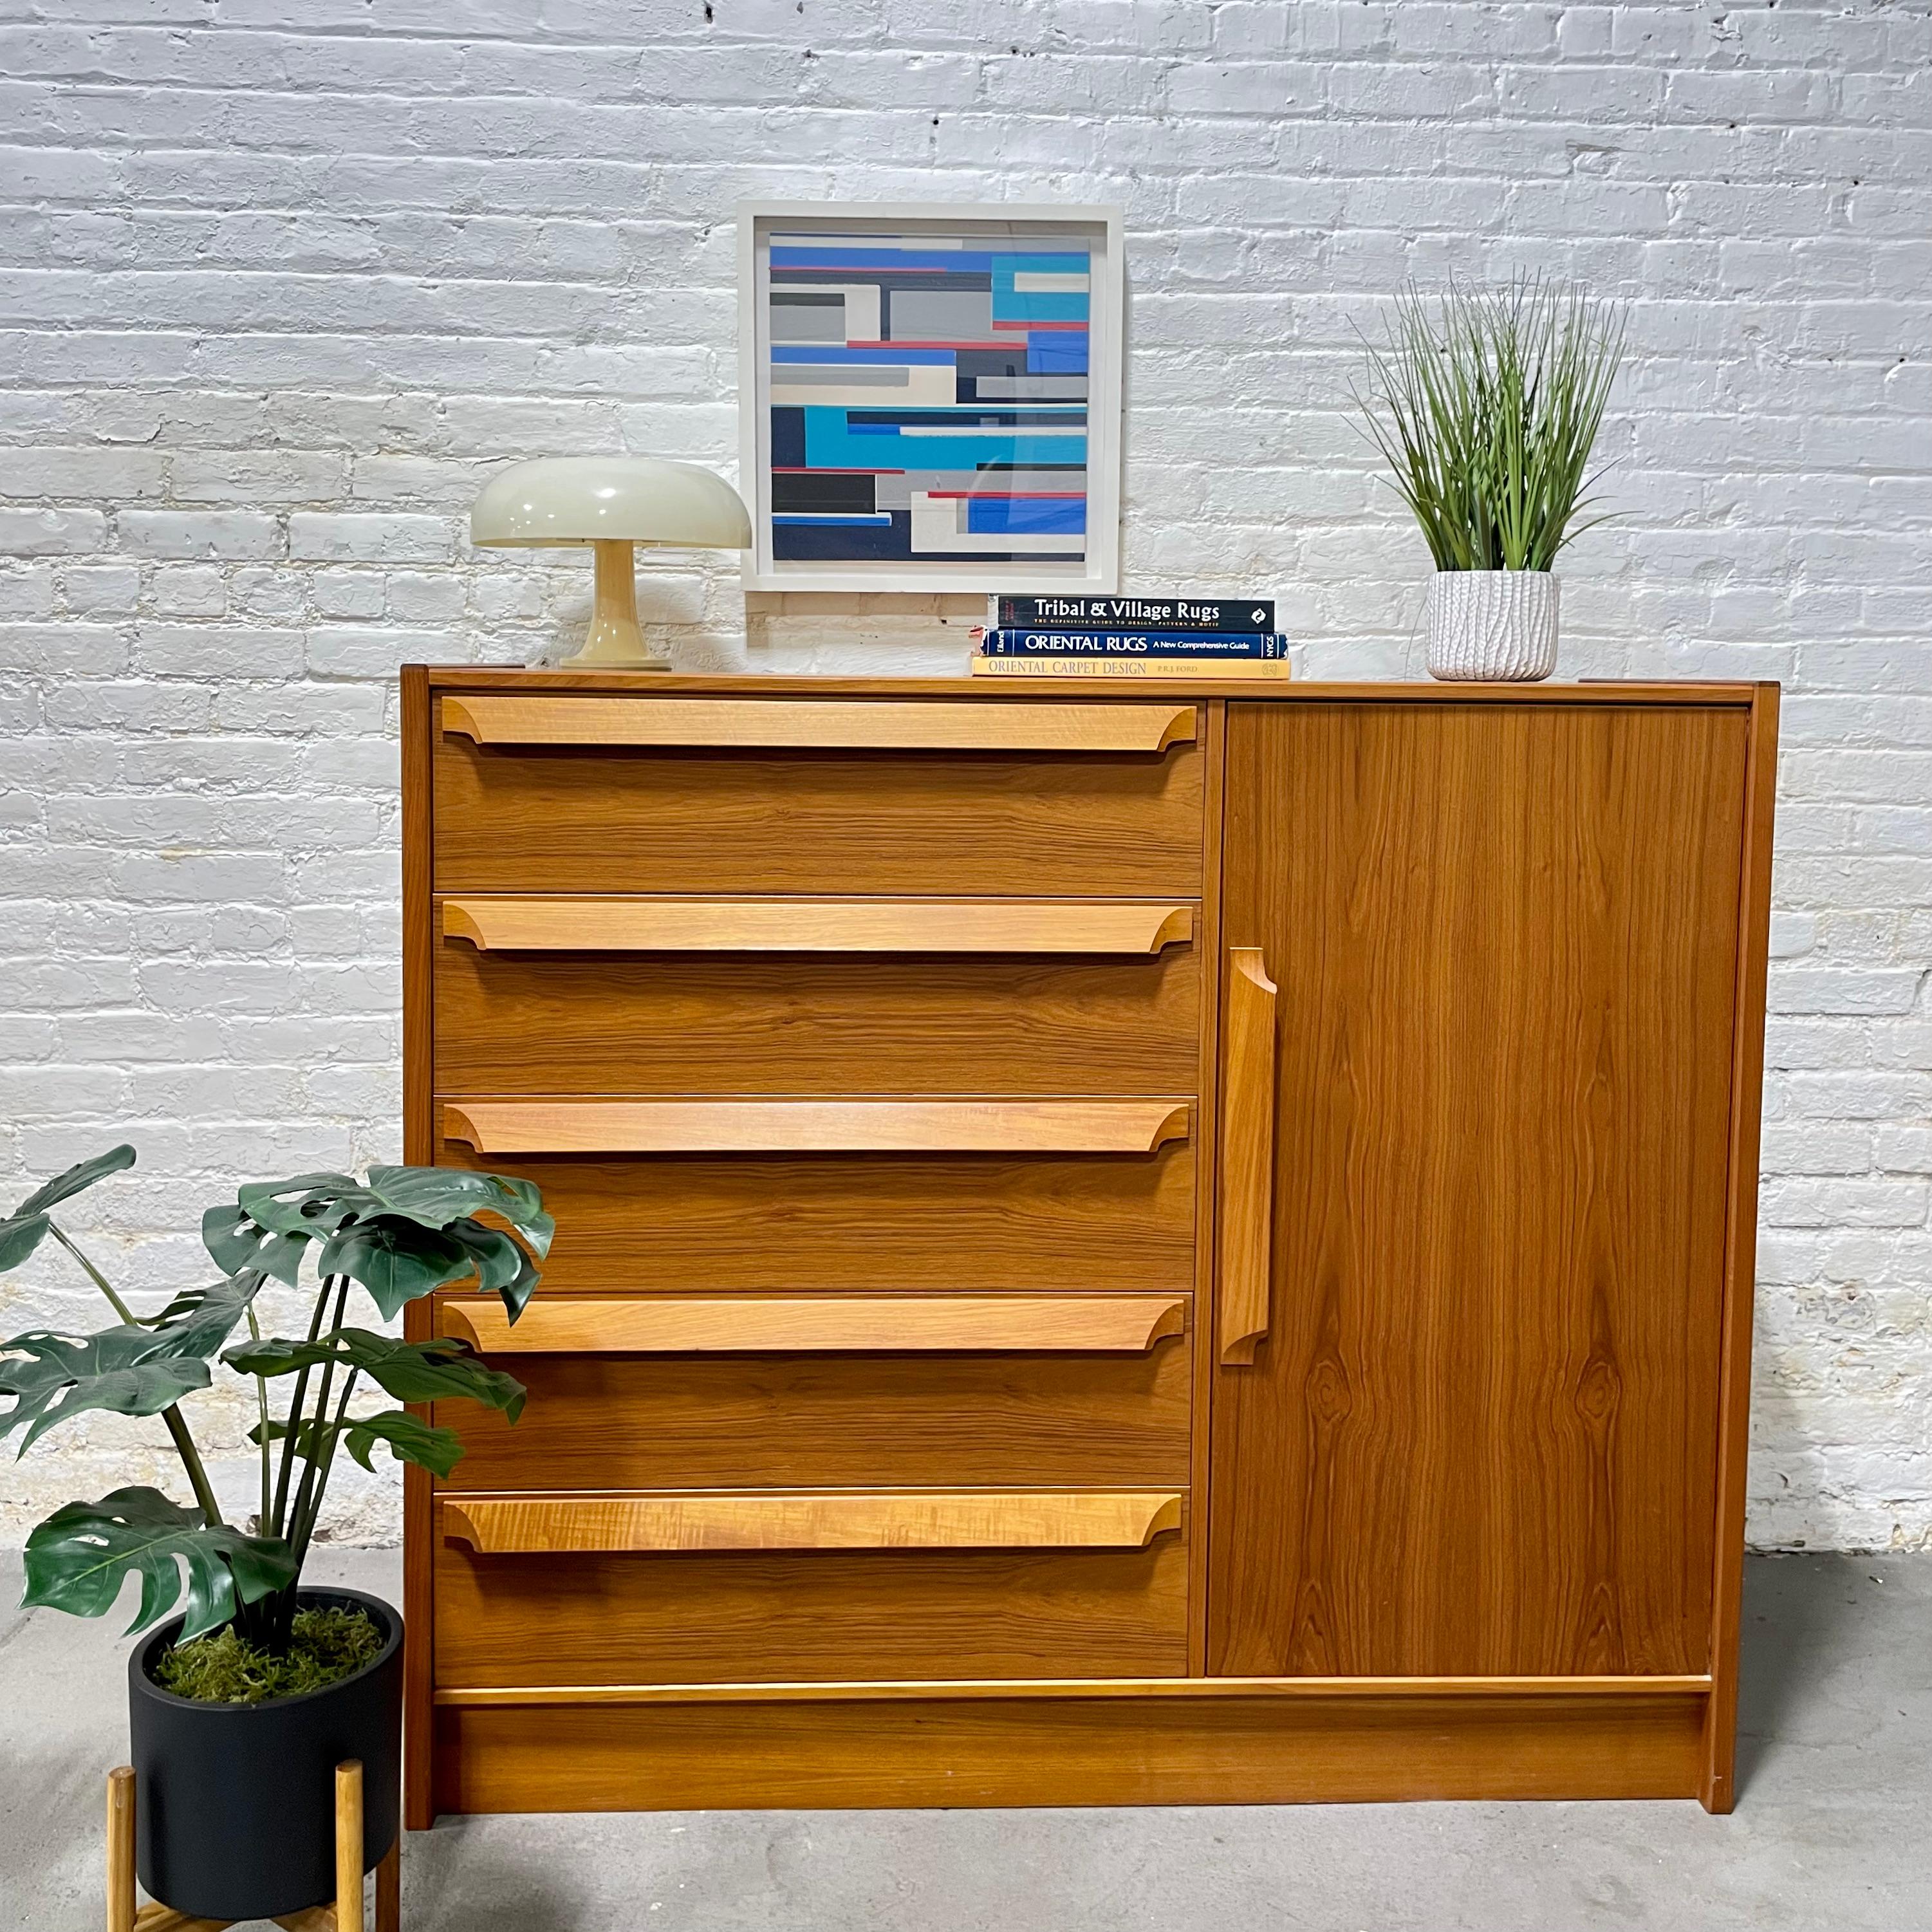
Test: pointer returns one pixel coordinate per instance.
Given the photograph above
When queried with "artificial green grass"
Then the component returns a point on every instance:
(325, 1646)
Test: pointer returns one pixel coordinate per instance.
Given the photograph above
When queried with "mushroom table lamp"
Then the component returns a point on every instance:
(610, 503)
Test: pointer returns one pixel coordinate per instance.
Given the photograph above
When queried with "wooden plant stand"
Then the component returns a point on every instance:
(344, 1915)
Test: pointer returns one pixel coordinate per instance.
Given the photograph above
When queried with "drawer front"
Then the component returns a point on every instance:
(605, 818)
(510, 1020)
(804, 1615)
(900, 1222)
(1110, 1405)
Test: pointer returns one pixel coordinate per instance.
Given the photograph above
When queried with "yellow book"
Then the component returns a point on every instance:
(1192, 669)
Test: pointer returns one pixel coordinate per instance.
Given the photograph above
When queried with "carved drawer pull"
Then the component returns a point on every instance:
(815, 1126)
(1247, 1155)
(814, 1519)
(692, 1325)
(609, 925)
(820, 725)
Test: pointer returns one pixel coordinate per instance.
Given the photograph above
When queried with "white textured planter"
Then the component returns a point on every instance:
(1492, 626)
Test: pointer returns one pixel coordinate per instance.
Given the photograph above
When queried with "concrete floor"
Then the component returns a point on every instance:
(1837, 1775)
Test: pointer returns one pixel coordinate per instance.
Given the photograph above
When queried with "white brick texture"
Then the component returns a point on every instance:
(281, 279)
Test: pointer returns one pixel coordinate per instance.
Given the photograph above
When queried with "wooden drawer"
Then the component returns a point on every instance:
(903, 1222)
(631, 995)
(911, 1586)
(823, 1391)
(764, 795)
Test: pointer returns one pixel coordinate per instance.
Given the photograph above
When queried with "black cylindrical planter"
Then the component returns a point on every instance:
(235, 1803)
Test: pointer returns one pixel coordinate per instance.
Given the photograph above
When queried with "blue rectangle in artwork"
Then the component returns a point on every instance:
(895, 261)
(833, 352)
(1030, 261)
(830, 444)
(1033, 515)
(1013, 304)
(810, 520)
(1057, 352)
(816, 542)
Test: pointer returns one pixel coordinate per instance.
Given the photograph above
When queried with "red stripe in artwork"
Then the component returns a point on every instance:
(1012, 495)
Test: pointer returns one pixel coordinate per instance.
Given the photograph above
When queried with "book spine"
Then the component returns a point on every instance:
(1128, 670)
(1216, 614)
(1070, 644)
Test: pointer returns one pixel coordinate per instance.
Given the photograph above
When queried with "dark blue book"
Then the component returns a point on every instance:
(1016, 642)
(1215, 615)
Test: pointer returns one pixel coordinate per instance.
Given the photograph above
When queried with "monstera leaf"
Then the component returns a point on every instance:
(438, 1196)
(199, 1320)
(432, 1371)
(23, 1231)
(83, 1174)
(79, 1558)
(409, 1438)
(20, 1236)
(130, 1371)
(396, 1260)
(408, 1230)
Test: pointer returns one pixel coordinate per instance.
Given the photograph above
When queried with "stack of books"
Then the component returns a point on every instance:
(1130, 636)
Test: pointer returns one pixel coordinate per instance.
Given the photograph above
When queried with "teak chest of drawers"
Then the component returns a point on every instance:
(1187, 1245)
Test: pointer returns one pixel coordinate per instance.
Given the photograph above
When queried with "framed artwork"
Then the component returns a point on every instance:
(930, 397)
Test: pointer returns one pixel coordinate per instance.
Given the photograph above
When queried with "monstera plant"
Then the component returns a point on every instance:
(400, 1233)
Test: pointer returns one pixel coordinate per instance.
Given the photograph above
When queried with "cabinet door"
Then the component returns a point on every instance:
(1471, 1427)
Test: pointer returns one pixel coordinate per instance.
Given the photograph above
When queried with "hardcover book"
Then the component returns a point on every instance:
(1147, 613)
(1214, 645)
(1193, 669)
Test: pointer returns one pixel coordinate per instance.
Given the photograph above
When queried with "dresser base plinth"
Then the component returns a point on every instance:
(1216, 1747)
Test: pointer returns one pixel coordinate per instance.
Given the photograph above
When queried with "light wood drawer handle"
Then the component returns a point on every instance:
(813, 925)
(1247, 1155)
(815, 1126)
(821, 724)
(694, 1325)
(814, 1519)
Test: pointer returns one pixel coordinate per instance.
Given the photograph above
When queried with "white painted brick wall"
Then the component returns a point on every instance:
(281, 279)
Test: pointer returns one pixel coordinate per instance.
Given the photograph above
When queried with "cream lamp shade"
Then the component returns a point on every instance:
(611, 503)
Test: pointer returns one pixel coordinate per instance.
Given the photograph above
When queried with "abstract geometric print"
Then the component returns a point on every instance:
(928, 398)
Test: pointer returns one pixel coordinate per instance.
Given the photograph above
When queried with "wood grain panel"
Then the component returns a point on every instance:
(692, 1617)
(602, 1421)
(580, 1023)
(686, 1324)
(767, 1519)
(960, 1124)
(949, 824)
(911, 1224)
(817, 725)
(1481, 1436)
(555, 924)
(1213, 748)
(1176, 1750)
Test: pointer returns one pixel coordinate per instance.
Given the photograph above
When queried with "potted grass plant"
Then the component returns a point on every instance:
(1485, 404)
(243, 1701)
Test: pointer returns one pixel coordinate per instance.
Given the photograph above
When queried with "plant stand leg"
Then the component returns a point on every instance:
(349, 1846)
(389, 1889)
(120, 1849)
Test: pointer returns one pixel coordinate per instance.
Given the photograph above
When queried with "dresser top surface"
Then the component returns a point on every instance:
(724, 684)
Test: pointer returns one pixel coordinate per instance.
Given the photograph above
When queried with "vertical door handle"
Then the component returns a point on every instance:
(1246, 1164)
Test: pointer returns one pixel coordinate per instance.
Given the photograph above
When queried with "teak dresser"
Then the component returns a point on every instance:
(1185, 1244)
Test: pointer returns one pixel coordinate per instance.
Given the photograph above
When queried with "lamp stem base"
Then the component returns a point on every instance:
(614, 641)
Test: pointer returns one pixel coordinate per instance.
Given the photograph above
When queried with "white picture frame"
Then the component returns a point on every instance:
(1100, 230)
